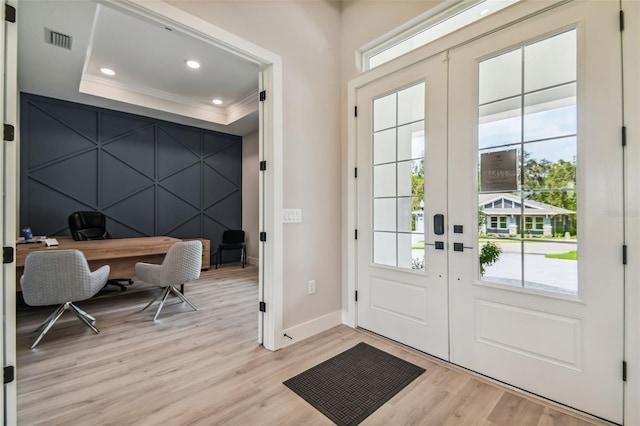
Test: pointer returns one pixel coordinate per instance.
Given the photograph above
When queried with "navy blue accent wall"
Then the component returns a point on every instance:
(149, 177)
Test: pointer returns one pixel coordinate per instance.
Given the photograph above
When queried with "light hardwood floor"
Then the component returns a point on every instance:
(205, 368)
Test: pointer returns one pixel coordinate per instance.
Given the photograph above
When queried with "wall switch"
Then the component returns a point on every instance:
(291, 215)
(311, 287)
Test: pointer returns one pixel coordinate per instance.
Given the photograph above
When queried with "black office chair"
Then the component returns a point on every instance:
(232, 240)
(86, 226)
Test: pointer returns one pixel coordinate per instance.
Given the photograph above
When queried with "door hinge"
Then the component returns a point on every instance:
(7, 254)
(624, 371)
(263, 96)
(9, 374)
(356, 234)
(355, 111)
(263, 165)
(624, 254)
(622, 20)
(263, 236)
(9, 13)
(356, 295)
(9, 132)
(624, 135)
(263, 307)
(355, 174)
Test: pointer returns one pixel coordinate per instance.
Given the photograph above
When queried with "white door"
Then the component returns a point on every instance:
(8, 183)
(535, 167)
(401, 185)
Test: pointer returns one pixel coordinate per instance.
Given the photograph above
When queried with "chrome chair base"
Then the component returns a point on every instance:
(51, 319)
(165, 295)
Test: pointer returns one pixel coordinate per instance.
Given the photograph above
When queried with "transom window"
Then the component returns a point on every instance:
(437, 23)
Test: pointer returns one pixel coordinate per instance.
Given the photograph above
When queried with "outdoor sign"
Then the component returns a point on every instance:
(499, 171)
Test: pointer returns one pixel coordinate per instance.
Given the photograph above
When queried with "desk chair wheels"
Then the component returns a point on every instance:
(120, 282)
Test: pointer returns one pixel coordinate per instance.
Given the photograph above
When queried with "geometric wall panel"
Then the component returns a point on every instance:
(172, 155)
(129, 179)
(43, 148)
(73, 176)
(187, 178)
(149, 177)
(133, 149)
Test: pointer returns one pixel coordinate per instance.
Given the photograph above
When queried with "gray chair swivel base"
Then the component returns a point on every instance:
(165, 294)
(48, 323)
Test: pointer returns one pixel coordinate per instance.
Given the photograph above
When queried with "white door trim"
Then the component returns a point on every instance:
(631, 87)
(271, 135)
(10, 206)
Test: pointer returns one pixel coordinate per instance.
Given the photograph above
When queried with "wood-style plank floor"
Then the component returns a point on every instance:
(205, 368)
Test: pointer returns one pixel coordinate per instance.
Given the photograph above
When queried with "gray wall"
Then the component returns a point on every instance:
(149, 177)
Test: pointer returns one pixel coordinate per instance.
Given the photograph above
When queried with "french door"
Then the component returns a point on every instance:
(402, 274)
(508, 260)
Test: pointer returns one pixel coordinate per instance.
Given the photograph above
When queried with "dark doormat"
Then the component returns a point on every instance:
(350, 386)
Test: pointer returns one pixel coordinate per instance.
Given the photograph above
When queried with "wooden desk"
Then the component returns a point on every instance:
(120, 254)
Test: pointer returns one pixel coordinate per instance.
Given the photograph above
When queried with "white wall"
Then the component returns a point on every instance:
(307, 37)
(250, 194)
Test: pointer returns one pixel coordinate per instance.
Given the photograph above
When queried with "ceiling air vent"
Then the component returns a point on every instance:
(57, 39)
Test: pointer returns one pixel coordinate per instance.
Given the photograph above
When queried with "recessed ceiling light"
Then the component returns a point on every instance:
(192, 64)
(484, 12)
(217, 101)
(107, 71)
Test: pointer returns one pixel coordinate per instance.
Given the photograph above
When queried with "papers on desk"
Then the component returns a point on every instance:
(50, 242)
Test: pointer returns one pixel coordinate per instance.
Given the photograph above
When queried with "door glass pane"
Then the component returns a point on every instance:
(550, 113)
(411, 104)
(551, 266)
(406, 215)
(405, 251)
(384, 180)
(384, 146)
(500, 123)
(528, 225)
(411, 141)
(500, 77)
(560, 51)
(550, 164)
(384, 214)
(384, 248)
(384, 112)
(398, 179)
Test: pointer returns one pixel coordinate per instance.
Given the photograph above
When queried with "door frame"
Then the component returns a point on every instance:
(493, 23)
(9, 181)
(271, 151)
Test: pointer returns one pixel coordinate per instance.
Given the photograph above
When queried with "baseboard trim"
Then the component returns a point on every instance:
(253, 260)
(300, 332)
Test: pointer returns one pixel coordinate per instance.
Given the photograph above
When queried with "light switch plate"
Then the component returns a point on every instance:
(291, 215)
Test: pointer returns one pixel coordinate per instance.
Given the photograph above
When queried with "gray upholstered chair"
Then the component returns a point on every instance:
(182, 264)
(60, 277)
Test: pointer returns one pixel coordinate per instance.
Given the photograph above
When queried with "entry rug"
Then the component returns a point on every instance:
(350, 386)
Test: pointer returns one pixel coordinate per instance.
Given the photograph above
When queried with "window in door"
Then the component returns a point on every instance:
(527, 111)
(398, 178)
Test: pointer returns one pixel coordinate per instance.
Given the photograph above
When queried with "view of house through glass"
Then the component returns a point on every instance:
(398, 178)
(527, 149)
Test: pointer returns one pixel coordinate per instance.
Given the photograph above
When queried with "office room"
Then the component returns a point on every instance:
(324, 280)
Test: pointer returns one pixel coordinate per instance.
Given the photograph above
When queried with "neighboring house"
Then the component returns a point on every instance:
(503, 213)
